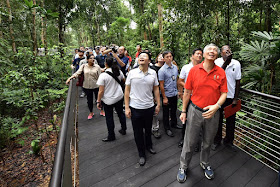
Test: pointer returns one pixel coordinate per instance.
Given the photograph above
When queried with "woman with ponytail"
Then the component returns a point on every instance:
(110, 95)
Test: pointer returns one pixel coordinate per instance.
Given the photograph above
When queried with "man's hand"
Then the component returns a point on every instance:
(183, 117)
(234, 103)
(128, 112)
(212, 109)
(157, 109)
(165, 101)
(228, 58)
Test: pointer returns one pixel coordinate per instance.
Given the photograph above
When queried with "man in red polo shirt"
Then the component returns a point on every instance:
(208, 85)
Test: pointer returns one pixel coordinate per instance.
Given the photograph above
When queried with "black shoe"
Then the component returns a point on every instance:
(169, 133)
(107, 139)
(142, 161)
(152, 151)
(196, 149)
(156, 134)
(123, 132)
(215, 146)
(177, 126)
(181, 143)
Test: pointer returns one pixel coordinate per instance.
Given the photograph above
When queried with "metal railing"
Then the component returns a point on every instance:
(257, 128)
(62, 168)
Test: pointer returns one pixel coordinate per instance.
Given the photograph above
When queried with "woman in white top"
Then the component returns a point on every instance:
(91, 74)
(111, 95)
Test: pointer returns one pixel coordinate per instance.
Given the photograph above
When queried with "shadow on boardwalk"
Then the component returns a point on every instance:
(115, 163)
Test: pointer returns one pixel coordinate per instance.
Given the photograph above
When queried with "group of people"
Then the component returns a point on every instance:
(138, 92)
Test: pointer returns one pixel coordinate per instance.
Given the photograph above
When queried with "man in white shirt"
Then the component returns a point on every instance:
(141, 83)
(195, 59)
(233, 73)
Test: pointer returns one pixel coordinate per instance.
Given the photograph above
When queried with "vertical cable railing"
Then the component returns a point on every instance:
(62, 167)
(257, 128)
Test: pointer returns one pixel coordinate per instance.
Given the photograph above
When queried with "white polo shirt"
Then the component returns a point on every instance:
(141, 88)
(185, 71)
(233, 73)
(112, 89)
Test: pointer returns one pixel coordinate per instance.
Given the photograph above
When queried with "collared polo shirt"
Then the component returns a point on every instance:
(233, 73)
(185, 71)
(169, 74)
(141, 88)
(206, 87)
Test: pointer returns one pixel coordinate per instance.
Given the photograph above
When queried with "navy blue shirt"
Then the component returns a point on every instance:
(125, 60)
(101, 60)
(76, 62)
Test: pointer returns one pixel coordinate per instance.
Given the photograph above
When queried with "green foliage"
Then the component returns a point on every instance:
(10, 128)
(261, 56)
(36, 147)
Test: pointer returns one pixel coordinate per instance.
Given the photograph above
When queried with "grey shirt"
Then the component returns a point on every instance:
(141, 88)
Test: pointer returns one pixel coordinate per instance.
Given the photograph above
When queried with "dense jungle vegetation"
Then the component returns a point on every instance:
(33, 86)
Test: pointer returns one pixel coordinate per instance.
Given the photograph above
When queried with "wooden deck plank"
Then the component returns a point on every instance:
(265, 177)
(244, 174)
(115, 163)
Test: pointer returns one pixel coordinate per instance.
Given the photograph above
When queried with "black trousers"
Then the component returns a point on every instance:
(172, 105)
(142, 120)
(110, 117)
(89, 93)
(230, 125)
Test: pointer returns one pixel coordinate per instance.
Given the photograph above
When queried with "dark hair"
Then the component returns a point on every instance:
(166, 52)
(150, 56)
(139, 45)
(157, 57)
(80, 51)
(197, 49)
(112, 63)
(89, 56)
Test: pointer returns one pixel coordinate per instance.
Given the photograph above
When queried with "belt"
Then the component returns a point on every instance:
(198, 108)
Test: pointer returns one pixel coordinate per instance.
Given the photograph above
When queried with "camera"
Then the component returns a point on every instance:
(114, 49)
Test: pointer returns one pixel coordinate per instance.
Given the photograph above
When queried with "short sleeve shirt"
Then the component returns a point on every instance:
(101, 60)
(112, 89)
(169, 74)
(91, 74)
(125, 60)
(233, 73)
(141, 88)
(185, 71)
(206, 87)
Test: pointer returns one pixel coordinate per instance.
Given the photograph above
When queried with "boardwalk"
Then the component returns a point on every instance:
(115, 163)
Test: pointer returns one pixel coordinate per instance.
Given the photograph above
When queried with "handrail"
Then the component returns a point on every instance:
(261, 94)
(257, 127)
(62, 172)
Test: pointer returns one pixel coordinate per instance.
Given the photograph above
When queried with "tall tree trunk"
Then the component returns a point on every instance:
(142, 25)
(160, 26)
(228, 23)
(34, 36)
(60, 28)
(261, 14)
(11, 27)
(44, 30)
(268, 16)
(150, 33)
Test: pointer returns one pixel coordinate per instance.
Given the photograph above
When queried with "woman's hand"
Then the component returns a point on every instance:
(157, 109)
(99, 106)
(128, 112)
(68, 80)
